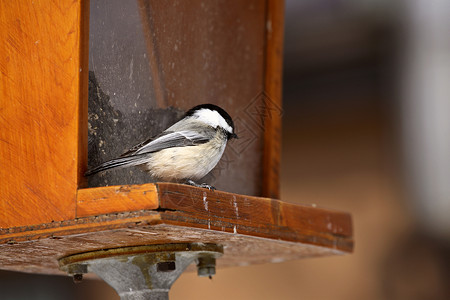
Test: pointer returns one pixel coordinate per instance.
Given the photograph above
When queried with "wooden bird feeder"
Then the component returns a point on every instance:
(228, 54)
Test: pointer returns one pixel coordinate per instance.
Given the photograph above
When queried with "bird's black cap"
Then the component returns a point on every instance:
(220, 110)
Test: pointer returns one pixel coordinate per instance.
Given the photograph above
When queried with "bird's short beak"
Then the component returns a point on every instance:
(234, 135)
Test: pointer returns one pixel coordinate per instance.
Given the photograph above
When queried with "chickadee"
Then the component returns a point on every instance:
(187, 150)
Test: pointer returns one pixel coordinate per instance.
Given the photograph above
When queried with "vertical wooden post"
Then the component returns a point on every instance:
(273, 85)
(43, 104)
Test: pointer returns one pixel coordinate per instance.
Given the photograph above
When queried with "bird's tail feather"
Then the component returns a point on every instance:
(121, 162)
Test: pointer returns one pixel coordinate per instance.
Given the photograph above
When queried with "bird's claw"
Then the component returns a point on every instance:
(201, 185)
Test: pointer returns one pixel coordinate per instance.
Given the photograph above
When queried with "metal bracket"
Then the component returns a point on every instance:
(143, 272)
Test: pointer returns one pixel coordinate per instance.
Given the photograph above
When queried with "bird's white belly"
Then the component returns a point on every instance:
(191, 162)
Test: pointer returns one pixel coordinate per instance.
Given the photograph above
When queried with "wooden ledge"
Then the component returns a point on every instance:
(252, 229)
(184, 205)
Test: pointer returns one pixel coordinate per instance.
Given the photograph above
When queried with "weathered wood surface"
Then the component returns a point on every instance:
(272, 98)
(43, 213)
(102, 200)
(254, 216)
(184, 205)
(43, 78)
(254, 230)
(43, 89)
(240, 250)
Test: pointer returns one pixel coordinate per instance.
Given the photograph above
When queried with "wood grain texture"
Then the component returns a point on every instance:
(154, 55)
(83, 91)
(273, 104)
(252, 229)
(254, 216)
(42, 70)
(144, 229)
(94, 224)
(105, 200)
(43, 155)
(184, 205)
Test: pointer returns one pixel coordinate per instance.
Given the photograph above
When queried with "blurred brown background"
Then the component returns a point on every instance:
(365, 130)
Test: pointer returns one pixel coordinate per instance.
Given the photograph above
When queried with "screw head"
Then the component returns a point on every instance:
(206, 266)
(77, 278)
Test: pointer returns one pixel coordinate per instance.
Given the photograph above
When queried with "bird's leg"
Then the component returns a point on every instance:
(200, 185)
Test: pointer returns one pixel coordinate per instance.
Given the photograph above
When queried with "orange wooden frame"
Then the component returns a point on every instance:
(43, 121)
(43, 156)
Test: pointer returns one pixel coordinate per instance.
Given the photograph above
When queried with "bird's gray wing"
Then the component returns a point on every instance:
(176, 139)
(137, 147)
(194, 134)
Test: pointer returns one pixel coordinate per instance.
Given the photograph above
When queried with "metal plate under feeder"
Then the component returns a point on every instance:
(143, 272)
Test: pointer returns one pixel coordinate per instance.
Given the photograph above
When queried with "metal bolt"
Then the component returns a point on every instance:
(77, 278)
(206, 266)
(77, 271)
(167, 266)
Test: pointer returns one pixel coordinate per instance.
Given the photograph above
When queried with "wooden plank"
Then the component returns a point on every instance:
(56, 230)
(154, 56)
(254, 216)
(272, 99)
(185, 205)
(43, 66)
(189, 206)
(83, 91)
(111, 199)
(240, 250)
(252, 229)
